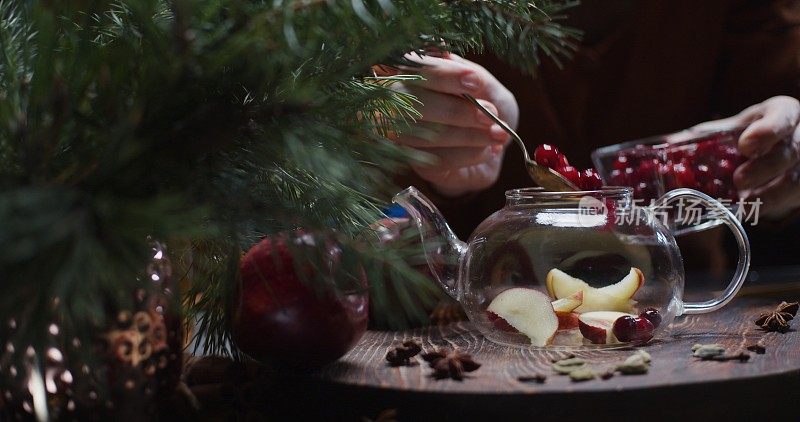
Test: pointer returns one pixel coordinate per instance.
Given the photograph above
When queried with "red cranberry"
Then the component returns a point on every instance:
(668, 175)
(611, 213)
(572, 174)
(547, 155)
(730, 152)
(590, 180)
(624, 328)
(630, 176)
(724, 169)
(677, 154)
(617, 178)
(627, 328)
(652, 315)
(621, 163)
(703, 173)
(647, 170)
(562, 161)
(644, 190)
(706, 150)
(715, 188)
(684, 176)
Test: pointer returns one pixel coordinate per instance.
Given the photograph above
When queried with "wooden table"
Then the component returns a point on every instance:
(678, 385)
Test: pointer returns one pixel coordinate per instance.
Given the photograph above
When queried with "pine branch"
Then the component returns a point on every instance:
(518, 32)
(212, 123)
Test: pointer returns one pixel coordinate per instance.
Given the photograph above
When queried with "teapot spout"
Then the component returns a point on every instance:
(443, 250)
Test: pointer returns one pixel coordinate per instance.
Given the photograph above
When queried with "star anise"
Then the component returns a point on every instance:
(778, 320)
(401, 355)
(450, 363)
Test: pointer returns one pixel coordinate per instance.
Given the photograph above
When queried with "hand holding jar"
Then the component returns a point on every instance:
(770, 143)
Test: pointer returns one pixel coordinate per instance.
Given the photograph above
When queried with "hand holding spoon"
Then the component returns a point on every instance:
(541, 175)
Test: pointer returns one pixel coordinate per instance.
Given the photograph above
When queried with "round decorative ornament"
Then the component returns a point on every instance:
(130, 372)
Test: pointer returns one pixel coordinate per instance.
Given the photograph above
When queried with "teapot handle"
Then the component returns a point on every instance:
(725, 216)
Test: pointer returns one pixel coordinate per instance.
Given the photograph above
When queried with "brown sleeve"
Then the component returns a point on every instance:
(761, 54)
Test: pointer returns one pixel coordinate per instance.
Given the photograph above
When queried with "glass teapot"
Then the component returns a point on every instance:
(570, 269)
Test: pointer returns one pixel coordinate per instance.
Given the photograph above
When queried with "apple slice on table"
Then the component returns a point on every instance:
(528, 311)
(598, 326)
(616, 297)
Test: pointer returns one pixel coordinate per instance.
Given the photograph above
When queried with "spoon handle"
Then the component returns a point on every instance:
(501, 123)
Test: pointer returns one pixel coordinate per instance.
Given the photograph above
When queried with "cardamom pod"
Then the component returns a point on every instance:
(566, 366)
(566, 370)
(706, 351)
(570, 362)
(582, 374)
(634, 364)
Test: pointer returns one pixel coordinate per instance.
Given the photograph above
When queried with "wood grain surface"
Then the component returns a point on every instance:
(362, 387)
(672, 364)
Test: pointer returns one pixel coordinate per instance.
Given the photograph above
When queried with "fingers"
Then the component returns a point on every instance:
(760, 170)
(742, 119)
(452, 75)
(775, 119)
(450, 159)
(451, 110)
(432, 135)
(781, 196)
(463, 180)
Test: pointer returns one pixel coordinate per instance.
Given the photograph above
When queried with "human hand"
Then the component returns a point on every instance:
(466, 146)
(771, 144)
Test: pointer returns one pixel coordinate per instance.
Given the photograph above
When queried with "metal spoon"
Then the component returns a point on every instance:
(541, 175)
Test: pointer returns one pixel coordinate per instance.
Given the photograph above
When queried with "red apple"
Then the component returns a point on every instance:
(283, 318)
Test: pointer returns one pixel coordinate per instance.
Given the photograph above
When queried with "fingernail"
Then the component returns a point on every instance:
(470, 82)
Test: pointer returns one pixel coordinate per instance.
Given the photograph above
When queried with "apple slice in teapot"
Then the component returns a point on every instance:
(615, 297)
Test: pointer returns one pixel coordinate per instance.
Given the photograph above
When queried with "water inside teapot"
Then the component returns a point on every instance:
(522, 256)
